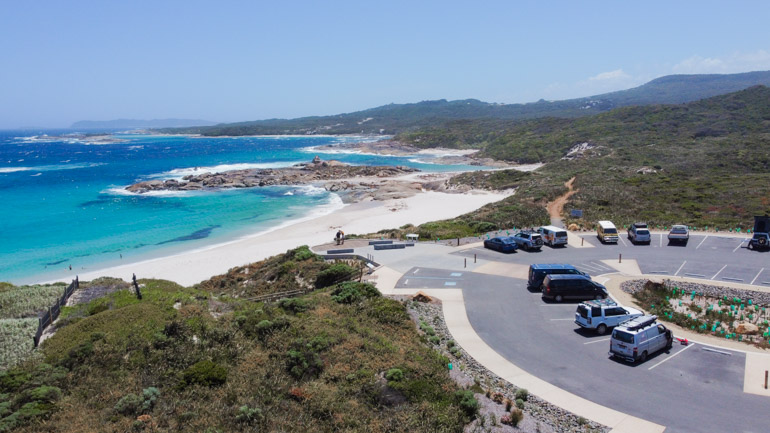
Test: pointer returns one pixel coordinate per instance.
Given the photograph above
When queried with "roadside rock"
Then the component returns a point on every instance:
(747, 328)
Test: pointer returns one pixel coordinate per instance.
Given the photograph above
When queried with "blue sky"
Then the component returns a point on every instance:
(247, 60)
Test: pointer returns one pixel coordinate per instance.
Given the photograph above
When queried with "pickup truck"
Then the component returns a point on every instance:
(679, 234)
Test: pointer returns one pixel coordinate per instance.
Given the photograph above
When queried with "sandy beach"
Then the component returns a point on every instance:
(363, 217)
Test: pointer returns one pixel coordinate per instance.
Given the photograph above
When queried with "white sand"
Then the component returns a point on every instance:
(366, 217)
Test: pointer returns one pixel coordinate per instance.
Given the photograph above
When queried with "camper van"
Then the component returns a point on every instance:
(553, 236)
(606, 232)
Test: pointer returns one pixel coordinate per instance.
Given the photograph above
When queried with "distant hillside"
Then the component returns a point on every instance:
(396, 118)
(705, 164)
(139, 123)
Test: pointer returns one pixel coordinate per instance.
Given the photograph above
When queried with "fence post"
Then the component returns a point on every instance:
(136, 286)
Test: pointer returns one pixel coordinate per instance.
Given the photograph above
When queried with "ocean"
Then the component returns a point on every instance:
(64, 203)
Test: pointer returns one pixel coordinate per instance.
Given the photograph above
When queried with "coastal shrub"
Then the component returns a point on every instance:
(522, 393)
(498, 397)
(508, 404)
(294, 305)
(394, 374)
(334, 274)
(303, 253)
(17, 344)
(248, 415)
(513, 418)
(352, 291)
(467, 402)
(387, 311)
(128, 405)
(204, 373)
(149, 398)
(435, 339)
(520, 403)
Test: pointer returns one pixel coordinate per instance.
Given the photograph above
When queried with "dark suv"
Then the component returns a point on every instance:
(566, 286)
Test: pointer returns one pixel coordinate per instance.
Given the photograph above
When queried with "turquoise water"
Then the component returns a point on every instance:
(64, 203)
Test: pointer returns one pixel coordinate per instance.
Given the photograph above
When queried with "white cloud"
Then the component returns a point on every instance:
(616, 75)
(736, 62)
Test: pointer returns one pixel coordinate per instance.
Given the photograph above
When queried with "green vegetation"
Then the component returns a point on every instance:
(195, 359)
(19, 308)
(704, 164)
(434, 115)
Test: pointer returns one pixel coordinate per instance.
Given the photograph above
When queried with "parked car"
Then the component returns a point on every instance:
(606, 232)
(570, 286)
(761, 238)
(528, 240)
(679, 234)
(639, 338)
(538, 272)
(504, 244)
(602, 315)
(553, 236)
(639, 234)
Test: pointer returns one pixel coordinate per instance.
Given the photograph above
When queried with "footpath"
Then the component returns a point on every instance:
(458, 324)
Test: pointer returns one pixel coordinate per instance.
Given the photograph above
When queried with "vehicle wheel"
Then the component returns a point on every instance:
(601, 329)
(670, 344)
(558, 298)
(643, 356)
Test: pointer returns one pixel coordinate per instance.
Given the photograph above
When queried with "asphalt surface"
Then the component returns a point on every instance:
(689, 388)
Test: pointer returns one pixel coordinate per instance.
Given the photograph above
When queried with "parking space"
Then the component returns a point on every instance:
(719, 243)
(543, 339)
(432, 278)
(593, 267)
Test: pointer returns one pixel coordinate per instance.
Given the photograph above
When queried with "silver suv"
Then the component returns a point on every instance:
(603, 314)
(638, 338)
(639, 234)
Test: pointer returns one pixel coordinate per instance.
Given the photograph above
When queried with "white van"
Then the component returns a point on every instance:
(638, 338)
(606, 232)
(553, 236)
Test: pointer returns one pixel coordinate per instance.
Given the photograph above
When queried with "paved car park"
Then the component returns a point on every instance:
(688, 388)
(669, 388)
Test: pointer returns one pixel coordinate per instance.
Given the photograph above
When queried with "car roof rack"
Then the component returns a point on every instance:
(602, 302)
(640, 322)
(640, 225)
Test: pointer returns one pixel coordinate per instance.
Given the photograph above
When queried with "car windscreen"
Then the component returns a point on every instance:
(508, 241)
(610, 231)
(623, 336)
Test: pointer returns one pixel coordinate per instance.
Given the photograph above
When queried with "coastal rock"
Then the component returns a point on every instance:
(301, 174)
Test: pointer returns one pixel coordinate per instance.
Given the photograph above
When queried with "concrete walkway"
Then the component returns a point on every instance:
(458, 324)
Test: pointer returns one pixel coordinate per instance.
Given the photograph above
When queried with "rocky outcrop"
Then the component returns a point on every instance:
(300, 174)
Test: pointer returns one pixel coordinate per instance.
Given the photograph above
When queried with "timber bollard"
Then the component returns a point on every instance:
(765, 379)
(581, 241)
(465, 264)
(474, 258)
(620, 258)
(458, 242)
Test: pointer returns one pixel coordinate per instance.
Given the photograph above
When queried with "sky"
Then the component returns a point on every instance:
(229, 61)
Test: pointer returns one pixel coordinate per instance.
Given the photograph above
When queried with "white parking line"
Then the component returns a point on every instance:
(680, 268)
(406, 281)
(657, 272)
(720, 271)
(599, 341)
(739, 245)
(687, 274)
(601, 266)
(733, 279)
(701, 242)
(589, 267)
(755, 278)
(416, 271)
(620, 238)
(677, 353)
